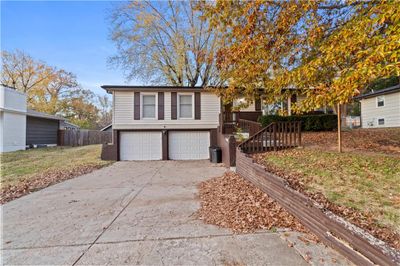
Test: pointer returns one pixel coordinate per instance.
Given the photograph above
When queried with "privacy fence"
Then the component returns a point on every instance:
(82, 137)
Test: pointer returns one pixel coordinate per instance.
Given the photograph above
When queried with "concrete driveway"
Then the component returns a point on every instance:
(130, 213)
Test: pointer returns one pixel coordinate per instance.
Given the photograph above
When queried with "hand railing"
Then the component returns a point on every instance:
(275, 136)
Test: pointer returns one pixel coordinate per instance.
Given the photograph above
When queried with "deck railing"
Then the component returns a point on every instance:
(275, 136)
(249, 126)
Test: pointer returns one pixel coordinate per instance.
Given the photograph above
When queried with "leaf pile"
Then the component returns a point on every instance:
(43, 180)
(364, 220)
(371, 140)
(232, 202)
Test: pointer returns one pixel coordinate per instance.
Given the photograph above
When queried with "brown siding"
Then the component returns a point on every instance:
(227, 143)
(197, 105)
(160, 105)
(213, 137)
(136, 111)
(173, 106)
(164, 141)
(110, 152)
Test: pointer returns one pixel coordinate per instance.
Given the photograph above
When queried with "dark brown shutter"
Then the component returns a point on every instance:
(173, 106)
(160, 105)
(257, 105)
(136, 111)
(197, 106)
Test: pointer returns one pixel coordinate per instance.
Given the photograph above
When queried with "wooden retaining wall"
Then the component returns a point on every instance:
(352, 242)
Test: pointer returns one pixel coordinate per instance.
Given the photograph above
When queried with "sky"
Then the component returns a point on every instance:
(72, 35)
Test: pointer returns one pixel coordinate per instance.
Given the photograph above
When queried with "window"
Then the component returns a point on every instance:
(380, 101)
(381, 121)
(185, 106)
(149, 106)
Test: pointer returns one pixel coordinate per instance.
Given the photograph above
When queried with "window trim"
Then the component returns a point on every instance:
(377, 101)
(155, 105)
(178, 109)
(379, 118)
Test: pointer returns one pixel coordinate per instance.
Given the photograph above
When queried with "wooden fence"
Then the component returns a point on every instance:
(275, 136)
(83, 137)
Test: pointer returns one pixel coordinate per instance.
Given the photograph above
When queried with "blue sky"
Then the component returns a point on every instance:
(72, 35)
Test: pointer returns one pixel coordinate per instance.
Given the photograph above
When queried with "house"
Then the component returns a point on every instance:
(380, 108)
(162, 123)
(12, 119)
(173, 123)
(21, 127)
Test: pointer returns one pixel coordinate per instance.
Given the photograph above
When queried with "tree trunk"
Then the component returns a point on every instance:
(339, 127)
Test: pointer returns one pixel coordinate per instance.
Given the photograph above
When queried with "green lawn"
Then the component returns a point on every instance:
(367, 182)
(22, 165)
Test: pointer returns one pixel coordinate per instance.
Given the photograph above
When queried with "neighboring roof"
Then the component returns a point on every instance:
(106, 127)
(109, 88)
(34, 113)
(65, 123)
(389, 90)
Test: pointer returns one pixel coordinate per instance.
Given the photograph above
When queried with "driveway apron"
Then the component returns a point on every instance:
(131, 213)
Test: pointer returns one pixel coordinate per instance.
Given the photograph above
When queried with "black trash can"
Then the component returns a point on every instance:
(215, 154)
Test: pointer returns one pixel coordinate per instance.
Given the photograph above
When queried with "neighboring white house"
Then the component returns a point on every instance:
(12, 120)
(21, 127)
(381, 108)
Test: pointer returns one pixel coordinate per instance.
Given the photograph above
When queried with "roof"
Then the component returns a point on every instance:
(109, 88)
(65, 123)
(371, 94)
(106, 127)
(34, 113)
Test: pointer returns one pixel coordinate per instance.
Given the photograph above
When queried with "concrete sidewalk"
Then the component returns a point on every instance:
(131, 213)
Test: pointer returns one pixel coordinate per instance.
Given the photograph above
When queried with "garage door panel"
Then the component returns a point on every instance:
(140, 146)
(188, 145)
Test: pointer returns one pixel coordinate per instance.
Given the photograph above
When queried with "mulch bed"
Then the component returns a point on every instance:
(232, 202)
(43, 180)
(363, 220)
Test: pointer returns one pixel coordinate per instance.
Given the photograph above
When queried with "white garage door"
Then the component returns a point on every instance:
(188, 145)
(140, 146)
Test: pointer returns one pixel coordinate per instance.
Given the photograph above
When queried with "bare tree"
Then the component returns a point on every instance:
(164, 42)
(105, 111)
